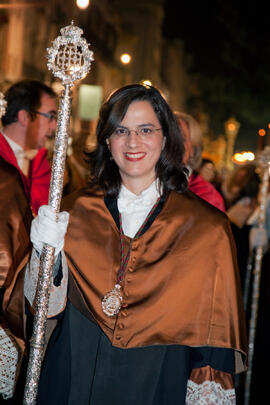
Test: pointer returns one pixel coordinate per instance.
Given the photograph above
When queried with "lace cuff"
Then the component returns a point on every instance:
(209, 393)
(58, 294)
(10, 358)
(208, 386)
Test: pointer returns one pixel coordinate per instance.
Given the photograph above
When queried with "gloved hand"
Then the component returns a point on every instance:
(257, 237)
(45, 229)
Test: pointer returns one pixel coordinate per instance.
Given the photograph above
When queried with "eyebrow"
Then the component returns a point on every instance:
(138, 126)
(147, 125)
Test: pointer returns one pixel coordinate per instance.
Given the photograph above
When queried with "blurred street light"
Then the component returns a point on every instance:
(243, 157)
(83, 4)
(22, 5)
(261, 132)
(147, 82)
(231, 130)
(261, 139)
(125, 58)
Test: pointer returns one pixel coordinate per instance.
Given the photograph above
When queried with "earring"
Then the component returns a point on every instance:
(108, 145)
(163, 143)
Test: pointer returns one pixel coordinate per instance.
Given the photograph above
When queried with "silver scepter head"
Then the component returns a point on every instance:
(3, 105)
(69, 58)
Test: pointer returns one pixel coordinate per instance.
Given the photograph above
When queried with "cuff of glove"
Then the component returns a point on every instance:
(46, 229)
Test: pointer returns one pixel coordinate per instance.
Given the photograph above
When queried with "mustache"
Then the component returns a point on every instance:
(51, 136)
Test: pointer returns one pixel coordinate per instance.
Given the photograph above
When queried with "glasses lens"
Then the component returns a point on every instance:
(52, 117)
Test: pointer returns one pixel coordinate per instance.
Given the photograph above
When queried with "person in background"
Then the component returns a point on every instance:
(29, 120)
(148, 315)
(15, 250)
(192, 135)
(76, 171)
(207, 170)
(241, 196)
(240, 183)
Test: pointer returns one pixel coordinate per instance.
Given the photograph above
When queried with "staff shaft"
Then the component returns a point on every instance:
(37, 341)
(256, 287)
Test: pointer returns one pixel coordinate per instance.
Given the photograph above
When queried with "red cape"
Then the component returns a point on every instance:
(37, 183)
(206, 191)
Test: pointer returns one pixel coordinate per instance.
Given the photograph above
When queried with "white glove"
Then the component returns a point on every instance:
(257, 237)
(45, 229)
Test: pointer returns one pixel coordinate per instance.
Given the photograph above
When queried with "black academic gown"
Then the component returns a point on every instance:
(81, 367)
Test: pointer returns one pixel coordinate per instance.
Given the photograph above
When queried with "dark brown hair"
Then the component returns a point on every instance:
(169, 168)
(24, 95)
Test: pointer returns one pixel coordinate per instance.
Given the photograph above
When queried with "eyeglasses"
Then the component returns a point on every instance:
(50, 116)
(142, 132)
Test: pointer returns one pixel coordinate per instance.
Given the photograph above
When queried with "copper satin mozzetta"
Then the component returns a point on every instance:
(186, 253)
(15, 252)
(112, 301)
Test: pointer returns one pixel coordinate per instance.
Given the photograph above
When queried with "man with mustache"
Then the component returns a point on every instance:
(29, 120)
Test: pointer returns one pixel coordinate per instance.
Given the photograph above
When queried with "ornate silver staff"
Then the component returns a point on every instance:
(264, 163)
(69, 59)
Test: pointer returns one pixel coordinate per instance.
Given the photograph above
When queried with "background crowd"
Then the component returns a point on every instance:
(235, 192)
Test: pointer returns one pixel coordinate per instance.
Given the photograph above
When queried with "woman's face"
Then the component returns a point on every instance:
(136, 153)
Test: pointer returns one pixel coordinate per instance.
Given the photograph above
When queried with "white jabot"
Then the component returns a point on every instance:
(22, 156)
(134, 208)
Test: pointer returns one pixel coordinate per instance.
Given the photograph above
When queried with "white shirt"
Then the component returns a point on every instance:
(134, 208)
(23, 157)
(17, 149)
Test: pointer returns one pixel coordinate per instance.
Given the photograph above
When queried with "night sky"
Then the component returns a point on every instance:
(229, 46)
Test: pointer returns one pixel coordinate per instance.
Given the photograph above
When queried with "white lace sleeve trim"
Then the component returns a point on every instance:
(209, 393)
(57, 294)
(10, 356)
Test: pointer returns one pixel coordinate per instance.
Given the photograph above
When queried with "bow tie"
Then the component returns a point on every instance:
(130, 205)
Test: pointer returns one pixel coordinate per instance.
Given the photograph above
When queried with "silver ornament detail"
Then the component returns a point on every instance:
(112, 301)
(69, 58)
(3, 105)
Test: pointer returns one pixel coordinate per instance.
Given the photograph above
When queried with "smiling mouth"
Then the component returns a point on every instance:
(134, 157)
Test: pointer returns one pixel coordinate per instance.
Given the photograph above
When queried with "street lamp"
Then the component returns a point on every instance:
(147, 82)
(83, 4)
(231, 130)
(261, 139)
(125, 58)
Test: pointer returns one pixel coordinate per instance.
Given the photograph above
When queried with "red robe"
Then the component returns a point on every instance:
(37, 183)
(206, 191)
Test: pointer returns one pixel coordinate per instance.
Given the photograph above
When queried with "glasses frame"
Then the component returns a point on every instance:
(50, 116)
(144, 136)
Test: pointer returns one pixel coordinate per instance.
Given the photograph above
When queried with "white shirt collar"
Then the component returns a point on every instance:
(17, 149)
(129, 202)
(14, 146)
(19, 152)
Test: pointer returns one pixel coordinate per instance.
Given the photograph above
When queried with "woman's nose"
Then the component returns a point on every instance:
(132, 139)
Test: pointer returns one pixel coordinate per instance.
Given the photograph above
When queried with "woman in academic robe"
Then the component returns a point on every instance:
(149, 304)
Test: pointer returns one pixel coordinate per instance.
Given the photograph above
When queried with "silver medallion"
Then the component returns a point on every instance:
(112, 301)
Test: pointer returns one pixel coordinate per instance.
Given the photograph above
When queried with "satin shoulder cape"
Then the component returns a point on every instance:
(181, 285)
(37, 183)
(15, 245)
